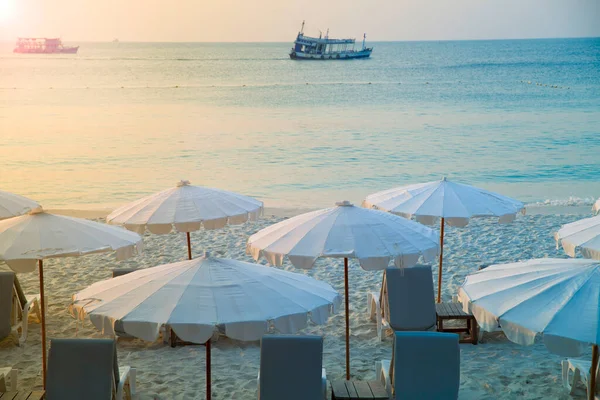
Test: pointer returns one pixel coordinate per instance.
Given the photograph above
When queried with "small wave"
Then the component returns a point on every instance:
(572, 201)
(522, 64)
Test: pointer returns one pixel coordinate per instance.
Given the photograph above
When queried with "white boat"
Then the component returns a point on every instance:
(324, 48)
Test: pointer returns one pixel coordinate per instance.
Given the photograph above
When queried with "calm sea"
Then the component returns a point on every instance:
(120, 120)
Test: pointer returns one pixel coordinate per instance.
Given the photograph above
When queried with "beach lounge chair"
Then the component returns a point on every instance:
(424, 366)
(8, 379)
(406, 301)
(15, 307)
(291, 368)
(86, 369)
(581, 372)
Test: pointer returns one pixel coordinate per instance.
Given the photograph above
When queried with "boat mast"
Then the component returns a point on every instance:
(302, 29)
(364, 38)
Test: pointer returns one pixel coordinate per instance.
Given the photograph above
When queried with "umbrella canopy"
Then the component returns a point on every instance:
(596, 207)
(455, 203)
(373, 237)
(197, 297)
(582, 235)
(39, 235)
(556, 297)
(186, 208)
(559, 298)
(12, 205)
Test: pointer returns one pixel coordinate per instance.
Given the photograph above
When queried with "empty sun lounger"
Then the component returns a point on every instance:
(86, 369)
(406, 301)
(15, 307)
(291, 368)
(581, 372)
(424, 366)
(8, 379)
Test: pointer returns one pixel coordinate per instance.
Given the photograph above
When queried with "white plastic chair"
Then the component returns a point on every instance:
(21, 314)
(581, 372)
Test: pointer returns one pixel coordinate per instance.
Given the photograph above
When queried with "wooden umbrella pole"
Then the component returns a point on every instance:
(347, 320)
(189, 246)
(439, 294)
(208, 372)
(593, 373)
(43, 312)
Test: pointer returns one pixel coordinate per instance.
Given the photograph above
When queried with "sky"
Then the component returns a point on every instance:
(280, 20)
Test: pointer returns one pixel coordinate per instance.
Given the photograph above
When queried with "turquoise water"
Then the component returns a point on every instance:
(121, 120)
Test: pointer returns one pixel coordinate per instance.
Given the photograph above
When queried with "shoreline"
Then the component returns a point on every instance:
(287, 212)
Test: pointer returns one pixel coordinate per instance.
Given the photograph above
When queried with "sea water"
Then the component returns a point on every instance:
(121, 120)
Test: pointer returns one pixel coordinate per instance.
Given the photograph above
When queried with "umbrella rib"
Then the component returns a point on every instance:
(591, 273)
(293, 278)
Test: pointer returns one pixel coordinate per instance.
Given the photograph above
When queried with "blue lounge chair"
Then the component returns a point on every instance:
(425, 366)
(406, 301)
(86, 369)
(291, 368)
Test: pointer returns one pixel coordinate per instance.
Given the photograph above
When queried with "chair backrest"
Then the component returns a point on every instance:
(81, 369)
(290, 367)
(426, 365)
(411, 299)
(7, 280)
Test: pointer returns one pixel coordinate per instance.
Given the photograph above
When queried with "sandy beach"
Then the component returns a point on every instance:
(494, 369)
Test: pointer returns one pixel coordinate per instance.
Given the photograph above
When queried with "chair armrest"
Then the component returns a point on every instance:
(324, 383)
(383, 375)
(258, 384)
(127, 374)
(372, 304)
(375, 313)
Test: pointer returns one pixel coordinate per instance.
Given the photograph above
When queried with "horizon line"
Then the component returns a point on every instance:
(279, 42)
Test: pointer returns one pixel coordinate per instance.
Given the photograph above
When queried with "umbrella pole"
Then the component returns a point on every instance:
(347, 320)
(208, 372)
(439, 296)
(593, 373)
(43, 312)
(189, 246)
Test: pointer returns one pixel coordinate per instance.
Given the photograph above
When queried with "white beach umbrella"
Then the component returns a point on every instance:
(186, 208)
(372, 237)
(455, 203)
(582, 235)
(198, 297)
(32, 238)
(596, 207)
(13, 205)
(559, 298)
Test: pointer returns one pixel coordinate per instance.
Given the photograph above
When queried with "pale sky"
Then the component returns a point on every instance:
(279, 20)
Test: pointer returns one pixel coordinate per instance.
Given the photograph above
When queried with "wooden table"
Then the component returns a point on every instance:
(450, 311)
(22, 395)
(358, 390)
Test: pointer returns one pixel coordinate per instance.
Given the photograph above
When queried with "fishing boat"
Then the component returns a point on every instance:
(43, 46)
(324, 48)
